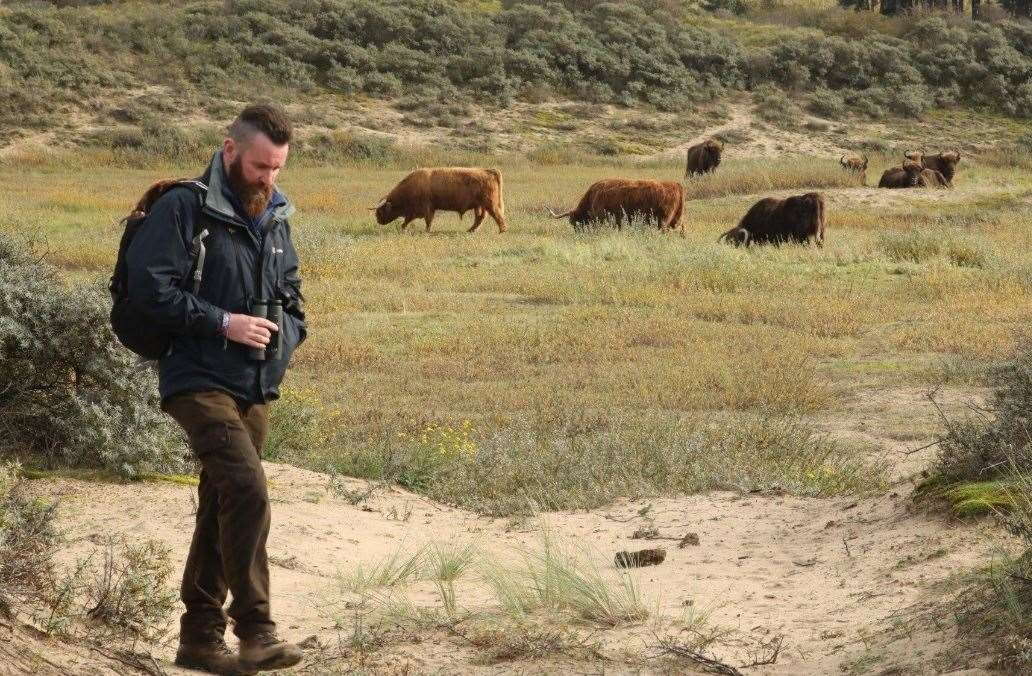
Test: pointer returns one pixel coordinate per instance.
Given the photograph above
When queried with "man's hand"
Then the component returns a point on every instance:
(250, 331)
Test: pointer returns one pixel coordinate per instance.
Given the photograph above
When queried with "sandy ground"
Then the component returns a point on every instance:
(829, 575)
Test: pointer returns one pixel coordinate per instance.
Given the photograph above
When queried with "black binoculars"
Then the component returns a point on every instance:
(273, 311)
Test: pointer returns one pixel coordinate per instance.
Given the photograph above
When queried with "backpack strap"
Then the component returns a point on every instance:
(197, 249)
(197, 252)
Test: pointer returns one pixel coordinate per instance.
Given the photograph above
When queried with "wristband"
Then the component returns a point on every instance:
(224, 327)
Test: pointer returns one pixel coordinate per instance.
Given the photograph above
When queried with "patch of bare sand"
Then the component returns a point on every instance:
(827, 574)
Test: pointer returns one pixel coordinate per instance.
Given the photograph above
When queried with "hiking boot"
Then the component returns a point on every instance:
(265, 651)
(213, 656)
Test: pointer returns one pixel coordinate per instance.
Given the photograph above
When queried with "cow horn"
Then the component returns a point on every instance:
(842, 160)
(558, 216)
(378, 204)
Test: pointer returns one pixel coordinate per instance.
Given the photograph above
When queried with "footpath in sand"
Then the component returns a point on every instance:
(828, 574)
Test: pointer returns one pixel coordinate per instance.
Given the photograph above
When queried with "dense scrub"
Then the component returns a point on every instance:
(69, 394)
(625, 53)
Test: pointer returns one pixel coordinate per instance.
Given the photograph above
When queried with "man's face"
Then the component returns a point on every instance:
(253, 168)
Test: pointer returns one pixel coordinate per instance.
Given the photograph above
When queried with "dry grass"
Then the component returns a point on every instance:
(605, 333)
(758, 176)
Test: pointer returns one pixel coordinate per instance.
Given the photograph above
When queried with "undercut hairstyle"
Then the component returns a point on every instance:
(266, 118)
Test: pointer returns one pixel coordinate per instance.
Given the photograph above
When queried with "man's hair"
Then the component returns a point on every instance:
(266, 118)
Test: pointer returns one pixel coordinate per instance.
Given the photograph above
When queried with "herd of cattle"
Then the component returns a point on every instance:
(772, 220)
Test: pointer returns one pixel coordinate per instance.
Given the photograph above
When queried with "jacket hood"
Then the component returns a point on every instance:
(217, 204)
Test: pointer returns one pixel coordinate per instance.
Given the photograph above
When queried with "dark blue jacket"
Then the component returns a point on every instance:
(238, 267)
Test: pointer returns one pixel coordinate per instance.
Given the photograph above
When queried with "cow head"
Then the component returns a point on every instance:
(385, 212)
(854, 163)
(803, 206)
(950, 159)
(913, 169)
(714, 148)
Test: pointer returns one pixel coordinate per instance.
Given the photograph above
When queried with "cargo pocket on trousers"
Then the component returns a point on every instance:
(212, 438)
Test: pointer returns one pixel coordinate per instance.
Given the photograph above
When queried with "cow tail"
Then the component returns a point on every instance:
(821, 223)
(675, 219)
(498, 177)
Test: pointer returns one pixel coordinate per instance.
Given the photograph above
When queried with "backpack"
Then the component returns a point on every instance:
(131, 326)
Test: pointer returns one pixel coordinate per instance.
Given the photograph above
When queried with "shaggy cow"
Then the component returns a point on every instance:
(913, 175)
(426, 191)
(615, 198)
(856, 165)
(944, 163)
(703, 157)
(774, 221)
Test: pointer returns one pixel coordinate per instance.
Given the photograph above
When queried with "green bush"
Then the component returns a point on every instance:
(998, 442)
(69, 393)
(343, 146)
(827, 103)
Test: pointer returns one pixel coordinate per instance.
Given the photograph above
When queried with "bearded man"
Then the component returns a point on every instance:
(225, 363)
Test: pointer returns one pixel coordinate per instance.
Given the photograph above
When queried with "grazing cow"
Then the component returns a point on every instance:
(774, 221)
(426, 191)
(856, 165)
(703, 157)
(944, 163)
(913, 175)
(614, 198)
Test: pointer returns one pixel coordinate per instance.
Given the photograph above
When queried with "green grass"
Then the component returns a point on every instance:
(398, 569)
(559, 579)
(971, 498)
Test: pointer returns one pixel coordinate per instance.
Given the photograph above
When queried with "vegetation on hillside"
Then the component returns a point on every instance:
(429, 51)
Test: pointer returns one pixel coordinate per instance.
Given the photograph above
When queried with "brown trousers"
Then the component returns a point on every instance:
(233, 517)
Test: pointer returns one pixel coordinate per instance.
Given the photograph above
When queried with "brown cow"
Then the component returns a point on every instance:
(426, 191)
(856, 165)
(913, 175)
(944, 163)
(774, 221)
(703, 157)
(614, 198)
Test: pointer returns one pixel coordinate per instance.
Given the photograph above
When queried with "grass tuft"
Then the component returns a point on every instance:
(560, 580)
(396, 570)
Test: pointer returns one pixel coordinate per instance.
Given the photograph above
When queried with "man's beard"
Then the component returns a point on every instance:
(254, 197)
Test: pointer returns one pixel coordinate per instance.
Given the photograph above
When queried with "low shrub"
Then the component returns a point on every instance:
(29, 539)
(997, 443)
(345, 146)
(530, 466)
(70, 395)
(128, 594)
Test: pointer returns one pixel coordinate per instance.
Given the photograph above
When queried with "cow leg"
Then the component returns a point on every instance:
(478, 217)
(404, 224)
(498, 218)
(429, 218)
